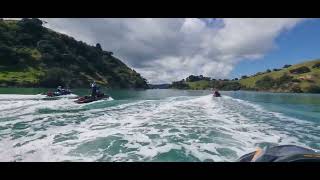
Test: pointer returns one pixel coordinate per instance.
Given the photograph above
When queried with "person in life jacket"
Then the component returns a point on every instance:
(94, 89)
(216, 93)
(59, 89)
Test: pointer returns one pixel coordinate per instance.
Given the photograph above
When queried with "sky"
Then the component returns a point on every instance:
(166, 50)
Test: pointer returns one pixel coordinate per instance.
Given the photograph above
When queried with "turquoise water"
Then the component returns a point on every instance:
(153, 125)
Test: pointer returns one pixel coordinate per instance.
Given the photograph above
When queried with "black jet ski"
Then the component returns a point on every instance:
(283, 153)
(216, 94)
(88, 99)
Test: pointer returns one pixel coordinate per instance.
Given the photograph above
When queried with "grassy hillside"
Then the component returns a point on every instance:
(304, 77)
(199, 85)
(285, 80)
(32, 56)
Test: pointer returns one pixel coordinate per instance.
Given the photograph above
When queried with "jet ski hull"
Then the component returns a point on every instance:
(89, 99)
(283, 153)
(56, 94)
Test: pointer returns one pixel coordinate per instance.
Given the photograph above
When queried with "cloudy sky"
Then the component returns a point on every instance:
(165, 50)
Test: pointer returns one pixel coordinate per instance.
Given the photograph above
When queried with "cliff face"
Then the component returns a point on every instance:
(32, 56)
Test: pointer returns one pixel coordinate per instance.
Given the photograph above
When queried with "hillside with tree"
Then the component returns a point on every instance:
(303, 77)
(299, 78)
(201, 83)
(32, 55)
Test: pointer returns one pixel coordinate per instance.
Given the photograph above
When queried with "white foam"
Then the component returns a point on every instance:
(227, 122)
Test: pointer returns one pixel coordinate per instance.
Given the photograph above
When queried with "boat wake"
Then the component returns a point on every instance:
(185, 128)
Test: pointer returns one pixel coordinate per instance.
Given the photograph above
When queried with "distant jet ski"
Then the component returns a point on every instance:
(216, 94)
(88, 99)
(283, 153)
(59, 93)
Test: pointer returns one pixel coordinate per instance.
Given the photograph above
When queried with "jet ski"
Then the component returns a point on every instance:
(88, 99)
(283, 153)
(216, 94)
(57, 93)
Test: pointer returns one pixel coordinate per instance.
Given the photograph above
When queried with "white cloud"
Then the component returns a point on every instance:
(163, 50)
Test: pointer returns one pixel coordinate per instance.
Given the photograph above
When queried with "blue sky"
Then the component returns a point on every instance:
(299, 44)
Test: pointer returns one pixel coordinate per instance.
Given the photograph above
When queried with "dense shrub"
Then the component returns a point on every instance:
(296, 80)
(180, 85)
(285, 78)
(300, 70)
(313, 89)
(230, 86)
(98, 46)
(296, 89)
(265, 83)
(286, 66)
(193, 78)
(55, 77)
(317, 65)
(258, 73)
(8, 56)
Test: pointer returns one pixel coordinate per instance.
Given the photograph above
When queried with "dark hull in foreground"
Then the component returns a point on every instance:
(88, 99)
(284, 153)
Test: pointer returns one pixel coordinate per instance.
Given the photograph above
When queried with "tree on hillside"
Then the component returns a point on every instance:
(98, 46)
(265, 83)
(296, 89)
(300, 70)
(55, 77)
(193, 78)
(317, 65)
(8, 56)
(244, 77)
(30, 22)
(180, 85)
(285, 78)
(286, 66)
(313, 89)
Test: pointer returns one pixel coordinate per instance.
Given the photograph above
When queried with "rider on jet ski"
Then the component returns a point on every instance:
(216, 93)
(62, 91)
(94, 90)
(59, 89)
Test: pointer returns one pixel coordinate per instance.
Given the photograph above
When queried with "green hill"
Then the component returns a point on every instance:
(32, 56)
(201, 83)
(304, 77)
